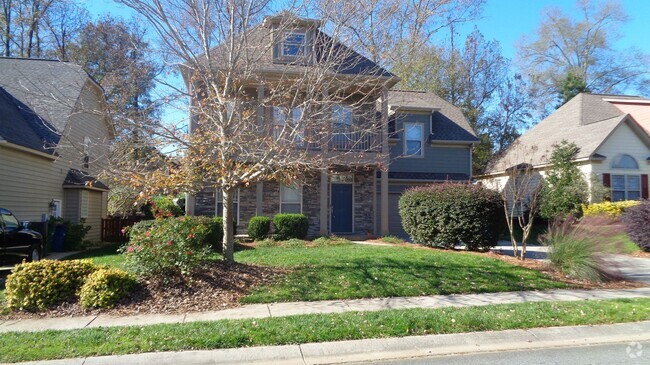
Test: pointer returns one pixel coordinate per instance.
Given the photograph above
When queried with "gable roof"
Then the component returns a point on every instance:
(449, 123)
(260, 44)
(21, 126)
(586, 120)
(49, 87)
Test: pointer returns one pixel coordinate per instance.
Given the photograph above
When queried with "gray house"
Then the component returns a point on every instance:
(54, 140)
(423, 140)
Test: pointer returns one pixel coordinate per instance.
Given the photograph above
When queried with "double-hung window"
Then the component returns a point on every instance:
(413, 136)
(626, 187)
(341, 125)
(84, 204)
(290, 198)
(293, 44)
(288, 124)
(235, 205)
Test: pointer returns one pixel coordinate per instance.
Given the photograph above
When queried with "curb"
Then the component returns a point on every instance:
(389, 348)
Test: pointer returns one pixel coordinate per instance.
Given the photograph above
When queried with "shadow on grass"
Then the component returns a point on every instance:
(107, 250)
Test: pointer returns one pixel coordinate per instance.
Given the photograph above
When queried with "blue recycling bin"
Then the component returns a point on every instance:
(58, 239)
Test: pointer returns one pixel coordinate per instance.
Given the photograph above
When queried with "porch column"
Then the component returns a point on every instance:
(324, 209)
(260, 105)
(385, 153)
(259, 201)
(189, 204)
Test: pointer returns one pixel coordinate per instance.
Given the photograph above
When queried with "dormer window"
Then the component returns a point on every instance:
(293, 44)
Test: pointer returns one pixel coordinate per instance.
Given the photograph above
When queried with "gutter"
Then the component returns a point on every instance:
(4, 143)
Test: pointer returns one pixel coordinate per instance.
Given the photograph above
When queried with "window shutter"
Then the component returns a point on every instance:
(607, 180)
(644, 186)
(607, 183)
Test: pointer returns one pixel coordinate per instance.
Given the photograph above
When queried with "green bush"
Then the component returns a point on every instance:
(167, 246)
(46, 283)
(289, 226)
(259, 227)
(162, 206)
(105, 287)
(448, 214)
(75, 233)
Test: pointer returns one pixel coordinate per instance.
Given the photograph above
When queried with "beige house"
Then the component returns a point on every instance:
(611, 132)
(54, 138)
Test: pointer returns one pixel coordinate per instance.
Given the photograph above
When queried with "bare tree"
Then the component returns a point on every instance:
(520, 188)
(64, 22)
(264, 105)
(582, 46)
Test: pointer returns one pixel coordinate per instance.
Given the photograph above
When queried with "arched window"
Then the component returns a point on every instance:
(625, 162)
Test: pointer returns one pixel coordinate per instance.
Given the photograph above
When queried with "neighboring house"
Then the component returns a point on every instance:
(54, 138)
(611, 132)
(427, 140)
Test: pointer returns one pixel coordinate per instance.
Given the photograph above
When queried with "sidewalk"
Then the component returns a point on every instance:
(627, 335)
(329, 306)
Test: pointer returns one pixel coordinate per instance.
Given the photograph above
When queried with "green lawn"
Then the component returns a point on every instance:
(363, 271)
(26, 346)
(105, 255)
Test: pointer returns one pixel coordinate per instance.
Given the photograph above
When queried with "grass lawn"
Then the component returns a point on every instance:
(105, 255)
(363, 271)
(26, 346)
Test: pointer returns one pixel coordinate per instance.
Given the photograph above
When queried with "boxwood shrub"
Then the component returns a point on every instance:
(289, 226)
(448, 214)
(636, 221)
(259, 227)
(105, 287)
(43, 284)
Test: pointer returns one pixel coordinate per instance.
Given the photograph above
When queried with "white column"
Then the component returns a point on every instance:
(385, 161)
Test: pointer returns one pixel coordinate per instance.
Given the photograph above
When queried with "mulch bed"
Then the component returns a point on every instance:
(217, 286)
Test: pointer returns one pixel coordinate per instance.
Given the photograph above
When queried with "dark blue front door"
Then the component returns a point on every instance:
(341, 208)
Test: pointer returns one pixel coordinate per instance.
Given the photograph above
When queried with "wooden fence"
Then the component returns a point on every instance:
(112, 228)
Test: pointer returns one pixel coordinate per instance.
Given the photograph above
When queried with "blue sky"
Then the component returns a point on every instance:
(503, 20)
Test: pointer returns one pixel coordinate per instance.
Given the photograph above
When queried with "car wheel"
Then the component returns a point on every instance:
(34, 254)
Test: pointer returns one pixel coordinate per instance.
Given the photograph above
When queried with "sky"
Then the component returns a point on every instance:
(505, 21)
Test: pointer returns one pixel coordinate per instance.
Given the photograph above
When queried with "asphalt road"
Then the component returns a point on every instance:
(607, 354)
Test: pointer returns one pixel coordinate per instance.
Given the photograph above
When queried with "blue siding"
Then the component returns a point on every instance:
(437, 158)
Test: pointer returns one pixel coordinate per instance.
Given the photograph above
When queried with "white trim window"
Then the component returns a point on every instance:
(626, 187)
(341, 125)
(219, 205)
(293, 44)
(55, 208)
(288, 123)
(413, 139)
(83, 209)
(290, 198)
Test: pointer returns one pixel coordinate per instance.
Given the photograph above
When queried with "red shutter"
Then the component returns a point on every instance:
(607, 183)
(644, 186)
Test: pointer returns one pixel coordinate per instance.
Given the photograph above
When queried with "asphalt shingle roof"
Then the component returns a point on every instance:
(586, 120)
(78, 178)
(21, 126)
(449, 123)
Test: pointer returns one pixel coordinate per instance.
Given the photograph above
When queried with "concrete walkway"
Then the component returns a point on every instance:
(329, 306)
(628, 335)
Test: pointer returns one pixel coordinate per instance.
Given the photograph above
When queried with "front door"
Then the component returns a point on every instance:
(341, 208)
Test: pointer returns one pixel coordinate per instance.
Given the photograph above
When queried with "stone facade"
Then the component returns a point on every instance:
(363, 205)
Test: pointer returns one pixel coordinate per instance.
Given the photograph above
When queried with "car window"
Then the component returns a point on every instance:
(10, 221)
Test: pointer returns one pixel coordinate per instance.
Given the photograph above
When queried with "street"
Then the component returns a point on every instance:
(610, 354)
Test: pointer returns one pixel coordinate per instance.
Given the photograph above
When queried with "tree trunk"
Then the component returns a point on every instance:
(228, 234)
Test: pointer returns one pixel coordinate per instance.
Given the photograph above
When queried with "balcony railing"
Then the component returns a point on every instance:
(338, 141)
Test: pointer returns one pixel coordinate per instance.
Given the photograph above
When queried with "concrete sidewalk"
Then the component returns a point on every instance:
(628, 335)
(330, 306)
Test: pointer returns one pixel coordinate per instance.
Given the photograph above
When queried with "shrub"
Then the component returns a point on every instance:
(565, 188)
(46, 283)
(289, 226)
(575, 249)
(448, 214)
(259, 227)
(169, 245)
(105, 287)
(162, 206)
(612, 209)
(637, 224)
(331, 241)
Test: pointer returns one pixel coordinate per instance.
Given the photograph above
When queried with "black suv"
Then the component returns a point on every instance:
(16, 241)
